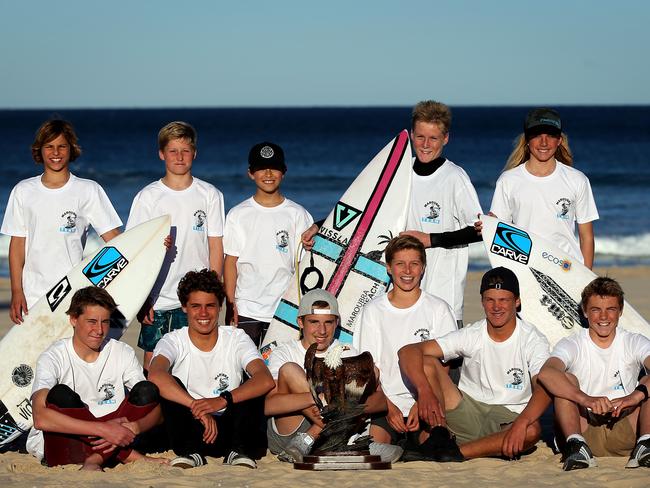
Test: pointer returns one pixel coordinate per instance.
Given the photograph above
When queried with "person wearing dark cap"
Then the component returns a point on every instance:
(542, 196)
(260, 239)
(495, 409)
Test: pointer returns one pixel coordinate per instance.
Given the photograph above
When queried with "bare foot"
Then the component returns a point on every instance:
(92, 463)
(136, 456)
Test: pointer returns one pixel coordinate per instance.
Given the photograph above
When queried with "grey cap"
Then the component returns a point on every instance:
(542, 121)
(318, 295)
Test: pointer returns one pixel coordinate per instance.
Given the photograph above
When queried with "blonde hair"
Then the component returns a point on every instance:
(521, 153)
(177, 130)
(432, 112)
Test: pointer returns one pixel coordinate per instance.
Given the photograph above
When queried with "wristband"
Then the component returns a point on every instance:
(226, 395)
(643, 389)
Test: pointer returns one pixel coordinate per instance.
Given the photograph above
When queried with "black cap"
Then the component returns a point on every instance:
(500, 279)
(266, 155)
(542, 121)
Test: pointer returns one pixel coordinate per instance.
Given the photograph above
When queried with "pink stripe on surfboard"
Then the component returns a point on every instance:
(377, 196)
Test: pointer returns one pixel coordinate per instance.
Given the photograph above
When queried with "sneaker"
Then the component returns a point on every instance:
(238, 459)
(640, 455)
(190, 461)
(300, 445)
(578, 456)
(388, 453)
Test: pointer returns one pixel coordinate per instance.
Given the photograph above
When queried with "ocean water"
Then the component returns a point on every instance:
(326, 148)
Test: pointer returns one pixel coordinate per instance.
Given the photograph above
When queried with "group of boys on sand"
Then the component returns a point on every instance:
(196, 369)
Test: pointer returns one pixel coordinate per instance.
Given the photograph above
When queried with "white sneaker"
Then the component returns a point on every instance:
(238, 459)
(190, 461)
(388, 453)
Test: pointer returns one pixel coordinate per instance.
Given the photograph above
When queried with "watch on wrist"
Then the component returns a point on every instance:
(226, 395)
(643, 389)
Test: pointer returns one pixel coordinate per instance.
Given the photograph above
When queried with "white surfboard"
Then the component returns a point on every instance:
(126, 267)
(550, 281)
(347, 255)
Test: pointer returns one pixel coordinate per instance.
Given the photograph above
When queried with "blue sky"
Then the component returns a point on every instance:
(80, 53)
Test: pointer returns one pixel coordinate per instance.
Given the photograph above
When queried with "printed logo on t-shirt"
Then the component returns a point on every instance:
(617, 377)
(563, 205)
(282, 241)
(267, 350)
(69, 222)
(222, 383)
(108, 394)
(199, 221)
(517, 376)
(433, 214)
(423, 334)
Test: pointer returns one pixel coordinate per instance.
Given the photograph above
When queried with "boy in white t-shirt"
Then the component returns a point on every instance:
(48, 218)
(81, 412)
(601, 407)
(197, 216)
(495, 409)
(444, 206)
(199, 370)
(404, 315)
(294, 420)
(260, 244)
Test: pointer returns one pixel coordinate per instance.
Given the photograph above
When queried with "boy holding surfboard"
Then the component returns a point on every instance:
(443, 208)
(200, 370)
(601, 406)
(260, 244)
(196, 209)
(81, 412)
(48, 218)
(404, 315)
(495, 409)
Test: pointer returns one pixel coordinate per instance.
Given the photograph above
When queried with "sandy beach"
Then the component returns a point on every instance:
(541, 468)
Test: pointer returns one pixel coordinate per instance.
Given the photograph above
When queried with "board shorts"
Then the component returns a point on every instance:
(610, 439)
(278, 442)
(472, 419)
(164, 321)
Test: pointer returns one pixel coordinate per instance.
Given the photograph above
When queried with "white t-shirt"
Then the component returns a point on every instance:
(196, 213)
(611, 372)
(207, 374)
(497, 373)
(100, 384)
(55, 224)
(444, 201)
(294, 352)
(264, 241)
(383, 329)
(548, 205)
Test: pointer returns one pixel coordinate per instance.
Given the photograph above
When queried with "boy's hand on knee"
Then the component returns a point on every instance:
(513, 441)
(413, 421)
(395, 417)
(115, 433)
(209, 428)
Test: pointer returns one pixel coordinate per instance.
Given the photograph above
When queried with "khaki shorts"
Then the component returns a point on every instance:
(472, 419)
(609, 439)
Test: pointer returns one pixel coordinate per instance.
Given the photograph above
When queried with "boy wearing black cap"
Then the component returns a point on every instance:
(260, 240)
(542, 196)
(495, 409)
(197, 217)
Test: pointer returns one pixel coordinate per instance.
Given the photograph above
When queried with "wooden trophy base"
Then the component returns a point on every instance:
(336, 461)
